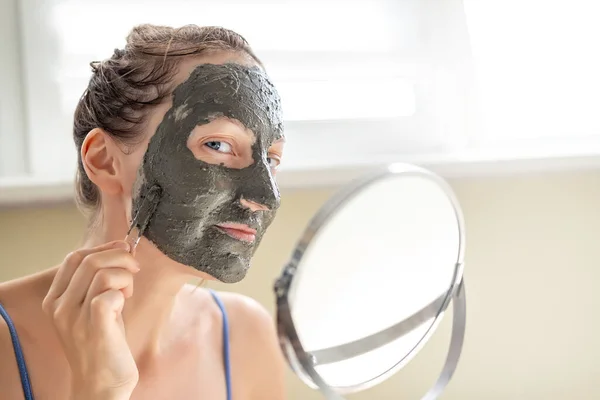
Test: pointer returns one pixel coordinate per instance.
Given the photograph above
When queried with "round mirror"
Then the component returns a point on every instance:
(370, 280)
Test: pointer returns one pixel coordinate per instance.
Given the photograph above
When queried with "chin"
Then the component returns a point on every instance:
(232, 272)
(229, 264)
(233, 278)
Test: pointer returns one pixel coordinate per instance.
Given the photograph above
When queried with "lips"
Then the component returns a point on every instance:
(241, 232)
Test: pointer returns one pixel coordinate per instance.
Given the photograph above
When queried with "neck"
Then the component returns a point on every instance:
(147, 314)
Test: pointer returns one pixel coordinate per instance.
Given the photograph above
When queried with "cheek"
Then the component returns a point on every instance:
(223, 184)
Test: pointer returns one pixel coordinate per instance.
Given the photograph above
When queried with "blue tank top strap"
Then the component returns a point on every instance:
(226, 360)
(25, 382)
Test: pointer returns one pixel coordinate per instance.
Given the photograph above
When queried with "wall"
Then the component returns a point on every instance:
(532, 269)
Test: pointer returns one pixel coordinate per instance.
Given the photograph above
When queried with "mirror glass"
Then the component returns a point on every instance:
(373, 282)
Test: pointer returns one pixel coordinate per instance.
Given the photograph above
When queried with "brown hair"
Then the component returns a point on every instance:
(123, 88)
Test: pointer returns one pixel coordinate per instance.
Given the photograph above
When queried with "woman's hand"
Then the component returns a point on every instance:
(85, 302)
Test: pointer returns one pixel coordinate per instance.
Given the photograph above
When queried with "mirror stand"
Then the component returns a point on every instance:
(302, 363)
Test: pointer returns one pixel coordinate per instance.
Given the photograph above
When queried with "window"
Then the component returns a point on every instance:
(12, 130)
(538, 70)
(361, 81)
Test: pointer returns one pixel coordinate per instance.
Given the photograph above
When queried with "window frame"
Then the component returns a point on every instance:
(417, 134)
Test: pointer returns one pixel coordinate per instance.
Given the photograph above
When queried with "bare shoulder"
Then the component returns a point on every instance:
(251, 325)
(23, 296)
(246, 312)
(15, 299)
(22, 299)
(254, 341)
(245, 315)
(9, 373)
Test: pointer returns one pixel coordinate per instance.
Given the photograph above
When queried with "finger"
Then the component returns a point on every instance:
(105, 308)
(110, 279)
(69, 266)
(83, 276)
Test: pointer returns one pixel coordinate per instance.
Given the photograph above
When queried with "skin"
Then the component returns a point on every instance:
(198, 196)
(107, 325)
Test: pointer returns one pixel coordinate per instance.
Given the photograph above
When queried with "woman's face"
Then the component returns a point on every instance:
(213, 149)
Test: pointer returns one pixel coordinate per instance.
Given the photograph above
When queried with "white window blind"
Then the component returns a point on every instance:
(538, 70)
(359, 79)
(13, 154)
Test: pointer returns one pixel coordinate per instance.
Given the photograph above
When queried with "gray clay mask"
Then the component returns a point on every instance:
(195, 196)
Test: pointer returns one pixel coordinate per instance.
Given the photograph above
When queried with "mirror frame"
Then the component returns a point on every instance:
(302, 363)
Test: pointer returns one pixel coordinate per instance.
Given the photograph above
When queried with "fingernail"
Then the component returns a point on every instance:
(122, 245)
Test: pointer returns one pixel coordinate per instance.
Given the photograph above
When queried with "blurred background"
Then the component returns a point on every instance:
(501, 98)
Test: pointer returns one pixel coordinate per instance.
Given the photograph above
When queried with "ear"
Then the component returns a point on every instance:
(100, 161)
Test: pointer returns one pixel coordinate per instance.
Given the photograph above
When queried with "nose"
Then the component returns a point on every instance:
(258, 190)
(253, 206)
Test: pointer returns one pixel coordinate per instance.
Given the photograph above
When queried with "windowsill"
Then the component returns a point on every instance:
(27, 191)
(465, 164)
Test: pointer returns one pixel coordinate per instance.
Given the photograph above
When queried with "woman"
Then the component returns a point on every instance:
(180, 133)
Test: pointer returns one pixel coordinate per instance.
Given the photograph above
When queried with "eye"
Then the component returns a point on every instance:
(222, 147)
(273, 162)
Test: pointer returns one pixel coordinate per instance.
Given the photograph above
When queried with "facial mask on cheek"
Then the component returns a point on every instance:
(196, 196)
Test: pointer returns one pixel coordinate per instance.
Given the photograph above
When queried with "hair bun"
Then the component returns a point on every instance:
(118, 54)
